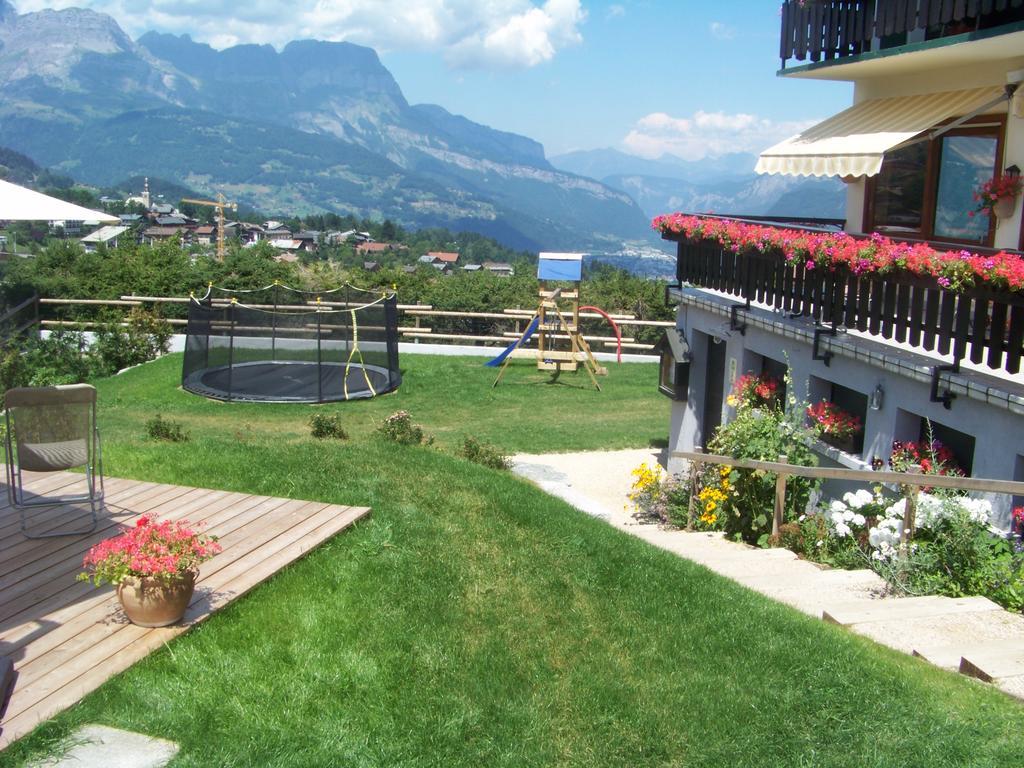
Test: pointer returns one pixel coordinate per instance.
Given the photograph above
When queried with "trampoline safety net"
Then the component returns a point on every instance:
(279, 345)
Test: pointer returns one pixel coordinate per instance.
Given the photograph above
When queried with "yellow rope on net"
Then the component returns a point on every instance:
(352, 353)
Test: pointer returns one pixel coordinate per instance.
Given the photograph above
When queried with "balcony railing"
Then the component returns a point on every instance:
(984, 326)
(820, 30)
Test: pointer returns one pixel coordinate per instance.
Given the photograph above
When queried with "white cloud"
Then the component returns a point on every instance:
(469, 33)
(615, 10)
(721, 31)
(707, 133)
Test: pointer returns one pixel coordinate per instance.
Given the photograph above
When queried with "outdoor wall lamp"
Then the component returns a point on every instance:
(877, 398)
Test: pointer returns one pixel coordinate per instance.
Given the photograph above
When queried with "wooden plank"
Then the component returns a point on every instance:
(961, 328)
(242, 511)
(1016, 339)
(225, 516)
(931, 318)
(916, 315)
(50, 658)
(997, 334)
(872, 477)
(903, 318)
(946, 316)
(234, 582)
(979, 330)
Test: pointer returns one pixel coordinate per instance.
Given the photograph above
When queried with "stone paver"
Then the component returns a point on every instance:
(97, 746)
(940, 630)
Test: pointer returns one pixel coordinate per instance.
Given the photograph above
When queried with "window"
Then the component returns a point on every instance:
(926, 189)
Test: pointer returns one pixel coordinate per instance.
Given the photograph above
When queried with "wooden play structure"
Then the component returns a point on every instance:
(560, 344)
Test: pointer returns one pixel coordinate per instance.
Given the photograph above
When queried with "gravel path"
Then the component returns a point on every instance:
(598, 483)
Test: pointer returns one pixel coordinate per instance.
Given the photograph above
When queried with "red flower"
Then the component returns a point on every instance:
(877, 254)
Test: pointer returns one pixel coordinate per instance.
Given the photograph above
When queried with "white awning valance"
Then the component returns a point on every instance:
(853, 142)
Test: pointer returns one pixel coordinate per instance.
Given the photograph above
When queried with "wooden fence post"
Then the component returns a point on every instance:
(780, 497)
(910, 508)
(694, 478)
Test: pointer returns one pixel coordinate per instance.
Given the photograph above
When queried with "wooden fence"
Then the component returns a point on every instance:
(829, 29)
(909, 482)
(411, 318)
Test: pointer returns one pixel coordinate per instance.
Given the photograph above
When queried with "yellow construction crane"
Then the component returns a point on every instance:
(220, 204)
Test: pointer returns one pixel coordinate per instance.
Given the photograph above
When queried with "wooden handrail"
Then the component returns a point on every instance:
(1011, 487)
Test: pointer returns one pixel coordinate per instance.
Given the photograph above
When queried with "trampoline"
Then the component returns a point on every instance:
(283, 345)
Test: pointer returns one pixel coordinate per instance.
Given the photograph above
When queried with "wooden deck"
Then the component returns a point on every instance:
(66, 637)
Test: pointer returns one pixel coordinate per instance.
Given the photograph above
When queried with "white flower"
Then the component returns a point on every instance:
(837, 507)
(858, 520)
(819, 543)
(843, 530)
(858, 499)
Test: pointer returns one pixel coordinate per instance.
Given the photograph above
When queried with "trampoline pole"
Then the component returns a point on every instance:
(231, 344)
(348, 333)
(319, 369)
(273, 328)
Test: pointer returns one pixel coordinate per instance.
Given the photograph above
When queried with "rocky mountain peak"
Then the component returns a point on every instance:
(50, 43)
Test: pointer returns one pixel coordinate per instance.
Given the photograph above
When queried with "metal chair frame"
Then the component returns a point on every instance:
(83, 394)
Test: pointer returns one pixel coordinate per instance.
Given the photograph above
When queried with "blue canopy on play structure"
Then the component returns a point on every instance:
(560, 266)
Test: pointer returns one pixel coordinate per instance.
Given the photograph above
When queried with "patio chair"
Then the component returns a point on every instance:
(53, 429)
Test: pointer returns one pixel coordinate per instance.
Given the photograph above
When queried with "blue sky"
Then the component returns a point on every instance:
(664, 58)
(690, 77)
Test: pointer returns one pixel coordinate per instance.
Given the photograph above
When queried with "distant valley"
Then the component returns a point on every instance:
(725, 185)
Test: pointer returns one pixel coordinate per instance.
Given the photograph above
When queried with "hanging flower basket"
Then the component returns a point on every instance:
(998, 196)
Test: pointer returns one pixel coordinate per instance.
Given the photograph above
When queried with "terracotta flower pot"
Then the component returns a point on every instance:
(1003, 207)
(153, 602)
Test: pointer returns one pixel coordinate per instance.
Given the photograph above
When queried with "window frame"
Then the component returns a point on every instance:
(985, 125)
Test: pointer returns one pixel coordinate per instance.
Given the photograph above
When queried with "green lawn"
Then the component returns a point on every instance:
(475, 621)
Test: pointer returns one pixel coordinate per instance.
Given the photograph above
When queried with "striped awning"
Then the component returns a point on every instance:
(853, 142)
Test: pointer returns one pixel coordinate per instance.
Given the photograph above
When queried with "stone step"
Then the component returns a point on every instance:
(895, 609)
(992, 661)
(945, 656)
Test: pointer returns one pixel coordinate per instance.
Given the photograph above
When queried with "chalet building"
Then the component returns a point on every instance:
(205, 235)
(157, 235)
(445, 257)
(937, 111)
(107, 236)
(369, 247)
(500, 268)
(309, 239)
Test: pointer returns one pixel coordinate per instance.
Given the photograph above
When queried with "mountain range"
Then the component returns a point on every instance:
(725, 184)
(321, 126)
(315, 127)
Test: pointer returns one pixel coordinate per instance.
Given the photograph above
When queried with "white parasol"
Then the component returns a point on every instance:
(21, 204)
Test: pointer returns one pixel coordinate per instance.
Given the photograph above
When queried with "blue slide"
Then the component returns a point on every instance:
(508, 350)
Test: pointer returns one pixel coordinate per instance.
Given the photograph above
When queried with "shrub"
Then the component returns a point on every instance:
(763, 435)
(159, 428)
(144, 337)
(659, 497)
(481, 453)
(323, 425)
(398, 428)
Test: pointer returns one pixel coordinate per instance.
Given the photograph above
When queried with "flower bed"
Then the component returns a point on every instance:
(954, 270)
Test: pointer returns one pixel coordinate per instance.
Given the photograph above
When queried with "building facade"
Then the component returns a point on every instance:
(937, 112)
